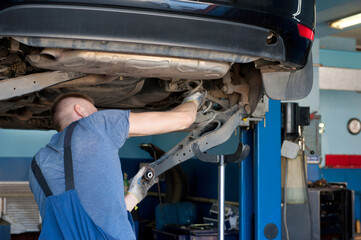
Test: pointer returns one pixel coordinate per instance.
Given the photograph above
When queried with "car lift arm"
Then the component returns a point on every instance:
(201, 139)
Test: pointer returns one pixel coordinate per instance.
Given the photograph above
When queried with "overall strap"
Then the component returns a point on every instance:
(68, 159)
(40, 178)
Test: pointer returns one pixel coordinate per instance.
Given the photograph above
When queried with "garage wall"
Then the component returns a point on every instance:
(22, 143)
(336, 108)
(17, 148)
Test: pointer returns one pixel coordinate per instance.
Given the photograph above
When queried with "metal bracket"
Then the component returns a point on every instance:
(218, 131)
(241, 154)
(19, 86)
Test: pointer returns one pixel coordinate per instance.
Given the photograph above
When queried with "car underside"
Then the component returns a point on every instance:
(137, 72)
(113, 80)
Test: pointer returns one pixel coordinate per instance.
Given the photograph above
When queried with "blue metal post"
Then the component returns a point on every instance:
(267, 174)
(246, 200)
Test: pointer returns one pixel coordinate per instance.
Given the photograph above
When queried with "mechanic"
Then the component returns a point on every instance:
(77, 180)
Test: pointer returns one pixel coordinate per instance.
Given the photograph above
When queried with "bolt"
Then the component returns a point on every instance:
(172, 86)
(149, 174)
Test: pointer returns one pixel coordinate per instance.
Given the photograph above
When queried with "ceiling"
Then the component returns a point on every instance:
(329, 10)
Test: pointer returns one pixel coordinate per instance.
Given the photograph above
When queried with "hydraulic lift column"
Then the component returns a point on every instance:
(260, 179)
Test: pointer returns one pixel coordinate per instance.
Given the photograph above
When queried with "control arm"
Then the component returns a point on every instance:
(205, 136)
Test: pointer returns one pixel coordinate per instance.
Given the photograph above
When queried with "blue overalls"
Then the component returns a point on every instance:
(65, 217)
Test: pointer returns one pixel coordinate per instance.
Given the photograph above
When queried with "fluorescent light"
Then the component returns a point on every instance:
(347, 21)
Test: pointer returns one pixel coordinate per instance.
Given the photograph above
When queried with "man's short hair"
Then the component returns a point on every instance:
(54, 106)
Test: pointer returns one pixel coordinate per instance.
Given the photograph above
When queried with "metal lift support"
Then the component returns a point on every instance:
(260, 179)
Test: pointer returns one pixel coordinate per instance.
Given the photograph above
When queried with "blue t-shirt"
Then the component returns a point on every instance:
(98, 175)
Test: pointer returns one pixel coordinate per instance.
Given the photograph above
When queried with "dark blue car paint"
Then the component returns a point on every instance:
(279, 16)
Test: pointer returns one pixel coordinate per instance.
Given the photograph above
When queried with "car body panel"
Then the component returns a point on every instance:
(229, 26)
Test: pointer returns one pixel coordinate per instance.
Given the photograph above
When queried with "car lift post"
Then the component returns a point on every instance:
(246, 202)
(260, 179)
(221, 181)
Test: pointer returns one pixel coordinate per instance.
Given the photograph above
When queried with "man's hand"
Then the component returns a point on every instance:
(139, 186)
(197, 97)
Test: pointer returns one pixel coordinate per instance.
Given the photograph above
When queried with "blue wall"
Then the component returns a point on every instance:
(14, 168)
(341, 59)
(22, 143)
(336, 108)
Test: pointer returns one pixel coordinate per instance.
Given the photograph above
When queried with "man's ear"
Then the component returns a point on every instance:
(79, 110)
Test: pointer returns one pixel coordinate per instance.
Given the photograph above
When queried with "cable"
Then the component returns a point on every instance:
(308, 194)
(285, 201)
(198, 87)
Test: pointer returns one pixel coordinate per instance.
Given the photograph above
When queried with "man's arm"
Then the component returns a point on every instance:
(151, 123)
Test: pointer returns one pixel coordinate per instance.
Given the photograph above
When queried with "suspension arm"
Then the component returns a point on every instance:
(218, 131)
